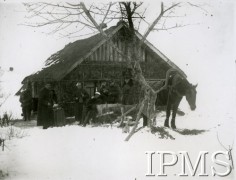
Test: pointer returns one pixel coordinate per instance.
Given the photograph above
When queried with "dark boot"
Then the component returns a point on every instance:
(145, 120)
(173, 126)
(166, 124)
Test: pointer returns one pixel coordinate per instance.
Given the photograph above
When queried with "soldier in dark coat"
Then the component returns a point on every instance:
(81, 98)
(26, 104)
(45, 107)
(91, 108)
(104, 92)
(114, 93)
(127, 93)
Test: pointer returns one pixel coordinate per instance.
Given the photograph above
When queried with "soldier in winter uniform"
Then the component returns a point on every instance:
(91, 108)
(47, 98)
(128, 87)
(114, 93)
(104, 92)
(127, 93)
(26, 103)
(81, 98)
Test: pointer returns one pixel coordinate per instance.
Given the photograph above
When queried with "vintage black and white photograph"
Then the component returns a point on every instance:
(117, 90)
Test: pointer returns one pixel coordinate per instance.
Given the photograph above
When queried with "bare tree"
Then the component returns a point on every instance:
(229, 150)
(94, 18)
(3, 95)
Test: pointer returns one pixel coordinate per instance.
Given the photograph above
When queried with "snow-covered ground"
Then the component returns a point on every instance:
(205, 52)
(100, 153)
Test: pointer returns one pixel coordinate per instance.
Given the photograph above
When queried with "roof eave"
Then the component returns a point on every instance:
(159, 53)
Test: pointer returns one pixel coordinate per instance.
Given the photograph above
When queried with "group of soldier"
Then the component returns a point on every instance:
(85, 106)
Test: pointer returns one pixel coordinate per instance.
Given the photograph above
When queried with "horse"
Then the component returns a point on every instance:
(175, 88)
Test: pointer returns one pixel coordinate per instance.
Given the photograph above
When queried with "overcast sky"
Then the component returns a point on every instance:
(204, 50)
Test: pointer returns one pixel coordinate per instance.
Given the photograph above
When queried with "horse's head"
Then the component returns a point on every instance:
(191, 94)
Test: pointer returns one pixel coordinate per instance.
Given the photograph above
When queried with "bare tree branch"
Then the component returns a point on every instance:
(157, 20)
(229, 150)
(141, 17)
(102, 32)
(173, 27)
(198, 6)
(220, 142)
(107, 13)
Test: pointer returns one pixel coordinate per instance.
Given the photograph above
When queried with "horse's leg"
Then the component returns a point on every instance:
(174, 111)
(145, 120)
(168, 108)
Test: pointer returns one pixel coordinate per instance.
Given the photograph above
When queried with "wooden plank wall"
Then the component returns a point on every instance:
(107, 53)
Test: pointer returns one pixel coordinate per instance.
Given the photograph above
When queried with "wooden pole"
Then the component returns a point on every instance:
(3, 144)
(122, 116)
(127, 112)
(136, 121)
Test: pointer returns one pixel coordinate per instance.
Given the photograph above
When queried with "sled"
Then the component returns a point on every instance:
(112, 113)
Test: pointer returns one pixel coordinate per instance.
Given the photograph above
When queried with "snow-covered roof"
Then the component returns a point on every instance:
(64, 61)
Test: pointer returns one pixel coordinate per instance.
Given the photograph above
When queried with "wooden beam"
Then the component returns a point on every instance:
(143, 54)
(119, 46)
(111, 53)
(122, 49)
(96, 55)
(107, 52)
(115, 53)
(100, 53)
(104, 52)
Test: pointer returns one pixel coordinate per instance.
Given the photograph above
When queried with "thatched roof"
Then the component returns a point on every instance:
(61, 63)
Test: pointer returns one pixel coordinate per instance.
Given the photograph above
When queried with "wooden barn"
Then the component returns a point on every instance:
(93, 61)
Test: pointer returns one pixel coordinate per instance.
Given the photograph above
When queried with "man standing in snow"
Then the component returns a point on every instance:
(81, 98)
(45, 107)
(91, 108)
(114, 93)
(104, 92)
(26, 103)
(127, 94)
